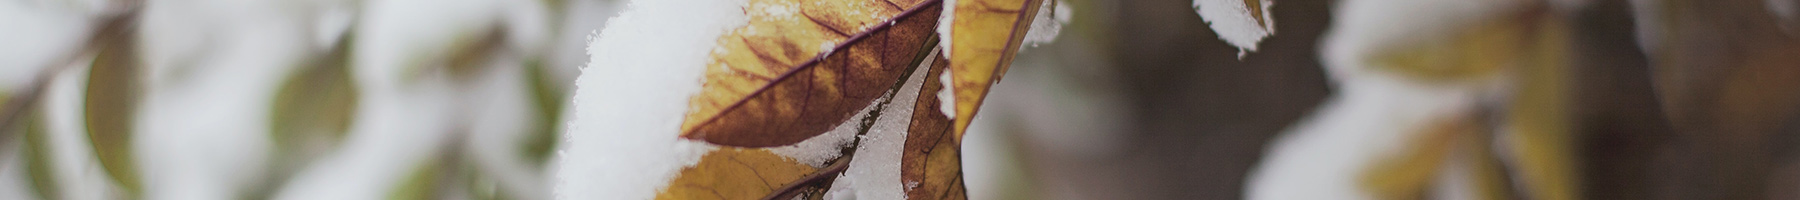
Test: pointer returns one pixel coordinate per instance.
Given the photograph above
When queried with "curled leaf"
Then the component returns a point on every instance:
(931, 161)
(984, 37)
(801, 67)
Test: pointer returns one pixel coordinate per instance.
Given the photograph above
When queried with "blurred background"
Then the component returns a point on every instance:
(1140, 99)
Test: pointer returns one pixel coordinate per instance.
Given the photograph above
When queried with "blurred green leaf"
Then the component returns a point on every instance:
(315, 106)
(421, 184)
(113, 88)
(548, 94)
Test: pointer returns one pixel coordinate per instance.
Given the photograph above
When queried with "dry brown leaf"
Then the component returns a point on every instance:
(801, 67)
(984, 38)
(931, 161)
(735, 173)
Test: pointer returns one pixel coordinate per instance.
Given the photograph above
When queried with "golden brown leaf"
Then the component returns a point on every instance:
(735, 173)
(931, 161)
(984, 38)
(801, 67)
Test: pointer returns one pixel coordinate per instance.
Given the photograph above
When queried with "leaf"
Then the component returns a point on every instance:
(931, 161)
(780, 80)
(1476, 53)
(1241, 23)
(113, 88)
(984, 37)
(735, 173)
(38, 164)
(314, 107)
(1410, 173)
(1539, 117)
(549, 98)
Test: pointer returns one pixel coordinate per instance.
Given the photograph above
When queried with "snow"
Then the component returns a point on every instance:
(1232, 20)
(875, 171)
(36, 36)
(1048, 23)
(406, 115)
(1377, 110)
(623, 142)
(947, 96)
(820, 149)
(78, 171)
(1323, 156)
(946, 21)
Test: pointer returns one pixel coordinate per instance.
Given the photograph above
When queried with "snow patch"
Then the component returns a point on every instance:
(820, 149)
(1048, 23)
(947, 96)
(875, 171)
(946, 21)
(630, 100)
(1235, 23)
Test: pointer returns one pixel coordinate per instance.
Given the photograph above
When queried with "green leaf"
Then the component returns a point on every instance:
(113, 88)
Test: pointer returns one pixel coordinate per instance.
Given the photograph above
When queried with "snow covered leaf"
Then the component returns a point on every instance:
(733, 173)
(983, 36)
(112, 93)
(801, 67)
(931, 163)
(1242, 23)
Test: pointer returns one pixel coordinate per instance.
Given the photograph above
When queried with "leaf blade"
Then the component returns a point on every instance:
(758, 92)
(979, 54)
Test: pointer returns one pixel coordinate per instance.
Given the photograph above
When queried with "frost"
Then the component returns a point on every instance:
(1048, 23)
(947, 96)
(630, 100)
(875, 171)
(1236, 23)
(946, 21)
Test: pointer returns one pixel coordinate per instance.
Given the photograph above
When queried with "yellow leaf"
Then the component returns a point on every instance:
(802, 67)
(735, 173)
(931, 161)
(984, 38)
(1480, 51)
